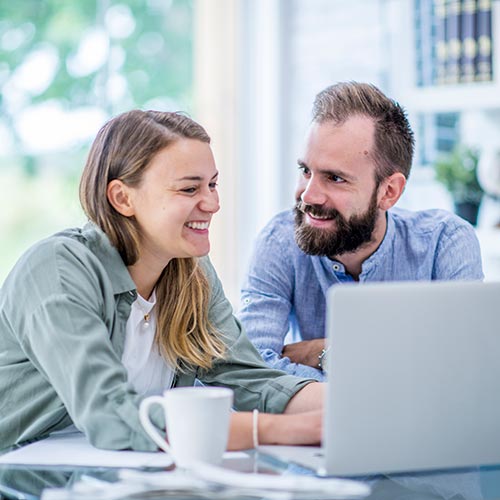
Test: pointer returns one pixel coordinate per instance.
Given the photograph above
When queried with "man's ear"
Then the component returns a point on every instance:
(119, 196)
(390, 190)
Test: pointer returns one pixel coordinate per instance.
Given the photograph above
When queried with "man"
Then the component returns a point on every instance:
(344, 228)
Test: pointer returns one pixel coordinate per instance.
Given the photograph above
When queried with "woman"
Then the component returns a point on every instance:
(92, 320)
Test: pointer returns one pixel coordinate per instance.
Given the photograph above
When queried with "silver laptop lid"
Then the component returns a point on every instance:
(414, 376)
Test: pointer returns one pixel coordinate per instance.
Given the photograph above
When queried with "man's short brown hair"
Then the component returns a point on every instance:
(394, 141)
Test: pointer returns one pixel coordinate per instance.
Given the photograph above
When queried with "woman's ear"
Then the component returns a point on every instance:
(391, 189)
(119, 196)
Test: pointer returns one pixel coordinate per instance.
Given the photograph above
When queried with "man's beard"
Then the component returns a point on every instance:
(347, 236)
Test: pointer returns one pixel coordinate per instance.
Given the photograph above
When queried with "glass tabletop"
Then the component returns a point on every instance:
(35, 482)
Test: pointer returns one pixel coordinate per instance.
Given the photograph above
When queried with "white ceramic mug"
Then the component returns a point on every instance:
(197, 421)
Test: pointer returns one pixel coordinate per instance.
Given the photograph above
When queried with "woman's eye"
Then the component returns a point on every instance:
(213, 185)
(190, 190)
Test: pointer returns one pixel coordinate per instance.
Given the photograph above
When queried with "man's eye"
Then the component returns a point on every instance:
(304, 170)
(213, 185)
(335, 178)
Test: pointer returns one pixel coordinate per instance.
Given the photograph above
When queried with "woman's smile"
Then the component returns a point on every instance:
(198, 226)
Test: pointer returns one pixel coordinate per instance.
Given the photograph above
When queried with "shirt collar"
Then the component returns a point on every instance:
(384, 249)
(108, 255)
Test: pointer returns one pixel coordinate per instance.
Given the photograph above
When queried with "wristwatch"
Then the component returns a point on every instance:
(322, 359)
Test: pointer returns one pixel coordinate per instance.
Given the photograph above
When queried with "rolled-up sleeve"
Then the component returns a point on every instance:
(255, 384)
(266, 301)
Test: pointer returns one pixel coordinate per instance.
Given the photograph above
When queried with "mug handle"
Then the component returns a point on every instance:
(146, 422)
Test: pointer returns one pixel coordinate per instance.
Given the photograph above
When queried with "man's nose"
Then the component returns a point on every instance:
(313, 194)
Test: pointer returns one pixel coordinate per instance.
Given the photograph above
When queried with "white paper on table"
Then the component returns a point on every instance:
(73, 449)
(210, 482)
(305, 486)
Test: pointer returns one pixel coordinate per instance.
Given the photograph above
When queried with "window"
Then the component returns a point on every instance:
(65, 68)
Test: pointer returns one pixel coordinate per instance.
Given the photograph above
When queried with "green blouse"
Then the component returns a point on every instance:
(63, 312)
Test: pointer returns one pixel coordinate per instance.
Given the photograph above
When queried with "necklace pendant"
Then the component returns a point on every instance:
(146, 321)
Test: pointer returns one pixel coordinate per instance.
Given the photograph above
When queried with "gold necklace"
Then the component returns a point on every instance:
(146, 316)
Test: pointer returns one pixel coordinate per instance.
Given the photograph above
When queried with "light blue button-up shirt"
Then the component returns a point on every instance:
(284, 290)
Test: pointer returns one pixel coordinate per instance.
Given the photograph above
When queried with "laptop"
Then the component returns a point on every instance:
(414, 379)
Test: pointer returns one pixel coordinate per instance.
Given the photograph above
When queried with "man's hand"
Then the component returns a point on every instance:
(305, 352)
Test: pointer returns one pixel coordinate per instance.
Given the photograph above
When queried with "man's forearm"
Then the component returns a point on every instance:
(306, 352)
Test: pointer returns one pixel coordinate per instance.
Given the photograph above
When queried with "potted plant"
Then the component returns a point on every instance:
(457, 171)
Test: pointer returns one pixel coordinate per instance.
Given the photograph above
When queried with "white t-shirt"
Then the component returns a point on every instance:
(148, 372)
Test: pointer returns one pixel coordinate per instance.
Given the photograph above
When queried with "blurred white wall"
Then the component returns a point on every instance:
(259, 64)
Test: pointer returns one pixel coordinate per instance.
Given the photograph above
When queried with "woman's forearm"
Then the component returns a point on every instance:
(304, 428)
(310, 397)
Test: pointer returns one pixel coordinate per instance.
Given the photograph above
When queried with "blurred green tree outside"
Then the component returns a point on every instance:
(65, 68)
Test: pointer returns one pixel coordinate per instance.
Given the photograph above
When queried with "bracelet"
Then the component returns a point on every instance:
(255, 428)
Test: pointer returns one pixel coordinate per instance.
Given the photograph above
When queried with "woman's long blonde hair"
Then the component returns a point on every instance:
(123, 149)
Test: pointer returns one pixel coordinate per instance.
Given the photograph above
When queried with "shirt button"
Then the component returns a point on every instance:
(336, 267)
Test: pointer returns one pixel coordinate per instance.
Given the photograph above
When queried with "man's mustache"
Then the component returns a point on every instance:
(317, 210)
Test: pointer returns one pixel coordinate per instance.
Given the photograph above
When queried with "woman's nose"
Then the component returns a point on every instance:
(210, 202)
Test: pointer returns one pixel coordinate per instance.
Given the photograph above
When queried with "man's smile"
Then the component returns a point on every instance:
(319, 217)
